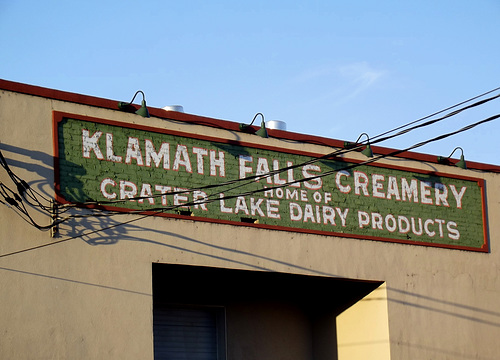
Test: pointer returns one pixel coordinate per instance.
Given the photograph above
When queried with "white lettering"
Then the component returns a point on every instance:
(377, 186)
(316, 183)
(392, 188)
(361, 182)
(90, 143)
(127, 189)
(133, 151)
(244, 170)
(217, 163)
(377, 221)
(308, 213)
(199, 197)
(156, 157)
(425, 192)
(290, 178)
(343, 189)
(343, 215)
(110, 156)
(241, 205)
(255, 207)
(295, 212)
(458, 195)
(363, 219)
(426, 227)
(200, 153)
(403, 224)
(182, 159)
(146, 191)
(409, 190)
(223, 207)
(163, 190)
(272, 210)
(104, 192)
(263, 169)
(453, 233)
(276, 167)
(328, 215)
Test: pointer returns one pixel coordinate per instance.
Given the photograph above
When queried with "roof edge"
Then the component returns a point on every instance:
(222, 124)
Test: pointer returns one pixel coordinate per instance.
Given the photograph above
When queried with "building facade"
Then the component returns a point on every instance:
(177, 236)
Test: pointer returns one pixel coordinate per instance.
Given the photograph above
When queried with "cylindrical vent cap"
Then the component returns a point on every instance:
(177, 108)
(276, 125)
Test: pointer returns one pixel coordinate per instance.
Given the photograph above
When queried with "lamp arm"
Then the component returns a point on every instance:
(255, 117)
(137, 92)
(368, 138)
(455, 149)
(243, 127)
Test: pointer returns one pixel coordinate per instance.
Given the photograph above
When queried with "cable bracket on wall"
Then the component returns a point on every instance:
(54, 228)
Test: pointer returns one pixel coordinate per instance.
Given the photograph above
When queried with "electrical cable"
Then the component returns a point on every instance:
(23, 187)
(71, 238)
(437, 138)
(348, 167)
(14, 201)
(216, 196)
(337, 153)
(439, 112)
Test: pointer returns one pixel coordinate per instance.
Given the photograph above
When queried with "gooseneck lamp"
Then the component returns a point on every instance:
(143, 110)
(367, 151)
(262, 132)
(446, 160)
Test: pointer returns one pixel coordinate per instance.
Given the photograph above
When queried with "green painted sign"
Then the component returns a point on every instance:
(138, 168)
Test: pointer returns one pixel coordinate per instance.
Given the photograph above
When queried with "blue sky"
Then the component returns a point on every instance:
(329, 68)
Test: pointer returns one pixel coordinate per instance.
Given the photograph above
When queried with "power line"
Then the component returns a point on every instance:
(247, 180)
(28, 193)
(24, 188)
(71, 238)
(437, 138)
(439, 112)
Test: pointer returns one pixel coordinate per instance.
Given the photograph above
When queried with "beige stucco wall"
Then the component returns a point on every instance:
(91, 296)
(363, 329)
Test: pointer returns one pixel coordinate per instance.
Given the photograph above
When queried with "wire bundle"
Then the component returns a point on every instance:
(25, 196)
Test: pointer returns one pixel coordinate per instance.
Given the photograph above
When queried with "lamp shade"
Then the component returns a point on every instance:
(262, 132)
(461, 163)
(446, 160)
(143, 110)
(368, 151)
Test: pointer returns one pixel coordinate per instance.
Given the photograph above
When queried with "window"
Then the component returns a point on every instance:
(188, 323)
(188, 333)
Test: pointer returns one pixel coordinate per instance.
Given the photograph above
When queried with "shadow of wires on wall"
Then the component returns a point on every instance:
(109, 230)
(40, 164)
(446, 307)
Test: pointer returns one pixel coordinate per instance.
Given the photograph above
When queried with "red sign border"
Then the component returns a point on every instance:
(59, 116)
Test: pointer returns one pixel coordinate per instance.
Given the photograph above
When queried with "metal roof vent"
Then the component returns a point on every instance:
(177, 108)
(276, 125)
